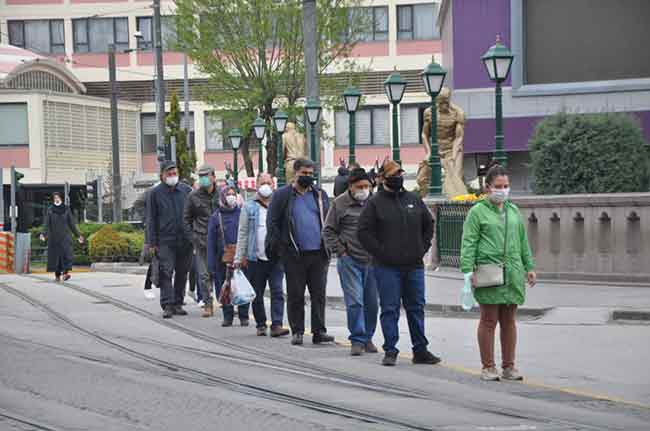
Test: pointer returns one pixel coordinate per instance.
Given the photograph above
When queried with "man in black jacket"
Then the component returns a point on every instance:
(294, 223)
(396, 228)
(168, 237)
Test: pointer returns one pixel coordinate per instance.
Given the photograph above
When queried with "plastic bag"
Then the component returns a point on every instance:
(467, 295)
(225, 293)
(242, 291)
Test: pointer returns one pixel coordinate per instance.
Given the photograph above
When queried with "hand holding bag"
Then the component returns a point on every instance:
(493, 274)
(242, 291)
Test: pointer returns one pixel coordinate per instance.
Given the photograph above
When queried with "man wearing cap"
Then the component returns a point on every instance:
(168, 237)
(353, 263)
(200, 205)
(396, 228)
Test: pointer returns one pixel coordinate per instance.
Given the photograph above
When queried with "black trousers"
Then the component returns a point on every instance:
(309, 269)
(147, 280)
(175, 260)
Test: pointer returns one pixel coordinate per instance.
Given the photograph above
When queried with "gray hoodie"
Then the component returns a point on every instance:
(341, 224)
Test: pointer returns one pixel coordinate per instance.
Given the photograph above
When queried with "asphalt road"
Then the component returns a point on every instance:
(94, 354)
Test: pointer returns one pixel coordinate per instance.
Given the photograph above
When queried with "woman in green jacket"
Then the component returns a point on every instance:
(484, 235)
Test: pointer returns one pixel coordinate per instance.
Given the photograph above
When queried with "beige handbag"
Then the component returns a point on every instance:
(493, 274)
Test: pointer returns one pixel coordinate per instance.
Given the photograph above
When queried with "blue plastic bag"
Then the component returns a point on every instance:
(242, 291)
(467, 295)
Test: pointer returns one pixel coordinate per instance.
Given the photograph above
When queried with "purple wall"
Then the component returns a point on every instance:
(476, 24)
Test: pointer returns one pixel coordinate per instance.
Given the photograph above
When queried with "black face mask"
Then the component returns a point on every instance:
(394, 183)
(305, 181)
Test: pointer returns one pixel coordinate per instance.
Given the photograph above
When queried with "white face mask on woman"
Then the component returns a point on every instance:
(499, 196)
(231, 201)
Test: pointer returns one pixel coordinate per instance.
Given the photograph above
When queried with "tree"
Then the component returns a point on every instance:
(252, 53)
(594, 153)
(185, 157)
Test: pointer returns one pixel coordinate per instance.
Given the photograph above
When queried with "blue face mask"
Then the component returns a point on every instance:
(204, 182)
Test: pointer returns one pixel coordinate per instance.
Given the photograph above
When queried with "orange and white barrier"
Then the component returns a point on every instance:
(6, 253)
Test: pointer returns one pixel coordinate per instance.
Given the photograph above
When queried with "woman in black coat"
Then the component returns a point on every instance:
(59, 227)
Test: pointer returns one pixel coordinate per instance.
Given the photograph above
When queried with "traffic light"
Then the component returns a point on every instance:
(91, 191)
(91, 200)
(17, 177)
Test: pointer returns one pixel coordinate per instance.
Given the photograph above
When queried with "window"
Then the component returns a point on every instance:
(371, 127)
(411, 120)
(374, 21)
(216, 131)
(13, 123)
(95, 34)
(418, 22)
(40, 36)
(167, 27)
(149, 129)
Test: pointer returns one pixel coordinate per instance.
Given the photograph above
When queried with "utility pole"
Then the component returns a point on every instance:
(100, 199)
(310, 46)
(2, 202)
(160, 80)
(13, 209)
(117, 180)
(186, 100)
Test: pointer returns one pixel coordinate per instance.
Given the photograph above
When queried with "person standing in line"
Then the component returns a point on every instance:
(494, 233)
(58, 230)
(222, 243)
(396, 228)
(353, 262)
(168, 236)
(251, 254)
(295, 219)
(141, 204)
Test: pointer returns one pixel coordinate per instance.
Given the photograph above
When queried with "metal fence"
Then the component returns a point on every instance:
(450, 218)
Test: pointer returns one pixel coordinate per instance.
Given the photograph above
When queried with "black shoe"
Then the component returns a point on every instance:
(226, 324)
(168, 311)
(390, 359)
(179, 311)
(425, 357)
(244, 322)
(296, 340)
(261, 331)
(322, 338)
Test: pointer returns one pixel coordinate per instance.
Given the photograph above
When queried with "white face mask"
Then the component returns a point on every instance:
(498, 196)
(361, 195)
(58, 203)
(231, 200)
(265, 190)
(171, 181)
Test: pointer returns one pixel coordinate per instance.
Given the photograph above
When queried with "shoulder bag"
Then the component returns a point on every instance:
(229, 250)
(493, 274)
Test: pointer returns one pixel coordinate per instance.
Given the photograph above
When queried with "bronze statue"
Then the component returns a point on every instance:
(293, 148)
(450, 131)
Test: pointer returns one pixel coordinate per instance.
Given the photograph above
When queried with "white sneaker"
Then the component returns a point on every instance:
(201, 304)
(149, 294)
(490, 374)
(512, 373)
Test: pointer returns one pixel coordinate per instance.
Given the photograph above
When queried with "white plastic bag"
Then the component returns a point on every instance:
(242, 291)
(467, 294)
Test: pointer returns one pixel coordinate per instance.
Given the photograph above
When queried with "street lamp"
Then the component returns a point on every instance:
(433, 77)
(351, 98)
(313, 109)
(497, 61)
(235, 140)
(280, 122)
(259, 126)
(394, 87)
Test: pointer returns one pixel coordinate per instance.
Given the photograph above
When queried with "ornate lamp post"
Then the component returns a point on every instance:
(351, 98)
(259, 126)
(497, 61)
(280, 121)
(312, 110)
(235, 140)
(394, 87)
(433, 77)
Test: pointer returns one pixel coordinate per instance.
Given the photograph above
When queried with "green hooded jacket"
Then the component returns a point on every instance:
(483, 236)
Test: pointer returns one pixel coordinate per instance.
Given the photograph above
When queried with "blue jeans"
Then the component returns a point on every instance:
(408, 286)
(260, 272)
(360, 294)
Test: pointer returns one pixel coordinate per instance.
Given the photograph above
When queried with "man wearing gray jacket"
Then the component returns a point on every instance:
(353, 263)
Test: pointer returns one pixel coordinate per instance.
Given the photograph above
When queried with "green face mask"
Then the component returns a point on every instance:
(204, 182)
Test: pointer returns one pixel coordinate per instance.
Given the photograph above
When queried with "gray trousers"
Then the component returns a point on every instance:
(204, 275)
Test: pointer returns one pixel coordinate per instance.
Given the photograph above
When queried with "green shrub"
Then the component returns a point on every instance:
(136, 243)
(107, 245)
(594, 153)
(125, 228)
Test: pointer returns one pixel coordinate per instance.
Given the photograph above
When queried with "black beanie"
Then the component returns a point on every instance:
(358, 174)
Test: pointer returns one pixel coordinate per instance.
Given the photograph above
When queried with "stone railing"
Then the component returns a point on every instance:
(588, 236)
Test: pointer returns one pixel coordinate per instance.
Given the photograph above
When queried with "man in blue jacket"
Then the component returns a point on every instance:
(168, 237)
(294, 223)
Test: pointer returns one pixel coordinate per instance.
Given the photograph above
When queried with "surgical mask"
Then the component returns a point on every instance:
(498, 196)
(231, 200)
(204, 182)
(57, 203)
(171, 181)
(305, 181)
(394, 183)
(361, 195)
(265, 190)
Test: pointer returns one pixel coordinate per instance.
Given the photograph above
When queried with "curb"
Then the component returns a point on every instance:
(636, 315)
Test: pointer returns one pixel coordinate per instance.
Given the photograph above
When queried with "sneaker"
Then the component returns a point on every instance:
(278, 331)
(370, 347)
(226, 324)
(357, 349)
(244, 322)
(425, 357)
(490, 374)
(322, 338)
(201, 304)
(390, 359)
(179, 311)
(261, 331)
(168, 312)
(297, 340)
(66, 277)
(511, 373)
(149, 294)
